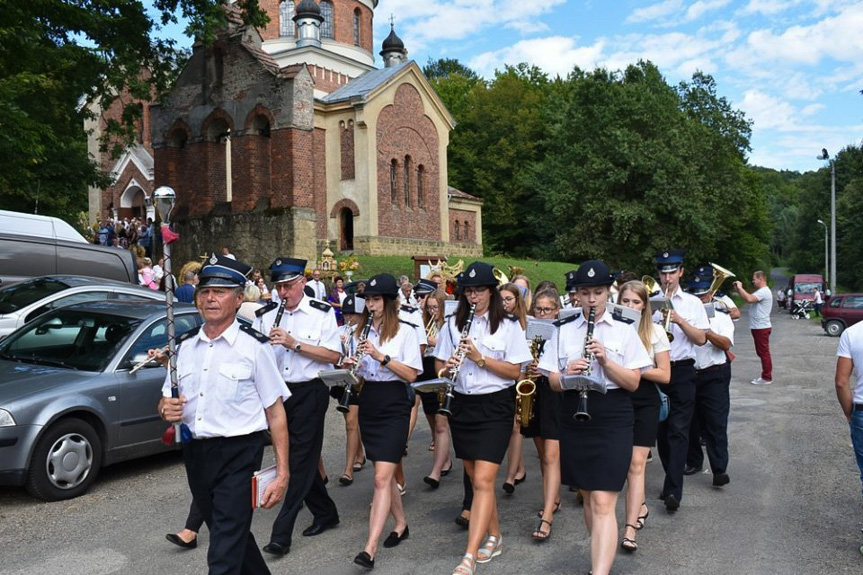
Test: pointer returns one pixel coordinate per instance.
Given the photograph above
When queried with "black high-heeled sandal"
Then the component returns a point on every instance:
(642, 518)
(628, 544)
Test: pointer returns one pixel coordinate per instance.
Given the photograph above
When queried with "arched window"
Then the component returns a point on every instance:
(286, 19)
(457, 238)
(407, 181)
(261, 126)
(467, 237)
(327, 24)
(357, 27)
(421, 173)
(393, 166)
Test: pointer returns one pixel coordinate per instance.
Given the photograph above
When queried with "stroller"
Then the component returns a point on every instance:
(800, 309)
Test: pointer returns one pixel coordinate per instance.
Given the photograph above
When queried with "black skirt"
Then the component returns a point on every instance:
(645, 404)
(546, 412)
(595, 454)
(384, 417)
(430, 401)
(481, 425)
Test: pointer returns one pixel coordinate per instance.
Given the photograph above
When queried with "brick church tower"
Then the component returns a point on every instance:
(287, 139)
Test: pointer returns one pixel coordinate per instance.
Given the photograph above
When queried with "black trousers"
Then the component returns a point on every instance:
(194, 520)
(673, 437)
(306, 411)
(220, 472)
(710, 421)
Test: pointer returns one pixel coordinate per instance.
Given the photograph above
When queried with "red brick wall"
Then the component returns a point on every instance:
(327, 80)
(403, 129)
(343, 22)
(346, 144)
(320, 181)
(462, 218)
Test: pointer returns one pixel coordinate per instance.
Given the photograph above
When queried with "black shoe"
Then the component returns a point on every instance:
(462, 521)
(691, 470)
(175, 539)
(317, 529)
(365, 560)
(508, 488)
(720, 479)
(274, 548)
(671, 503)
(346, 479)
(523, 477)
(445, 472)
(434, 483)
(393, 539)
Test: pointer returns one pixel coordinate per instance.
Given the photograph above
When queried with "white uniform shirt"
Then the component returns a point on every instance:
(851, 346)
(404, 348)
(691, 309)
(508, 343)
(308, 325)
(228, 382)
(621, 342)
(759, 312)
(658, 342)
(708, 354)
(414, 316)
(727, 301)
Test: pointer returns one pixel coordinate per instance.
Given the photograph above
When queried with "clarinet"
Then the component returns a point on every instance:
(581, 413)
(446, 404)
(280, 313)
(344, 405)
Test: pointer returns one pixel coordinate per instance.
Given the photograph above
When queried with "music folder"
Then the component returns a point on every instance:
(341, 377)
(260, 481)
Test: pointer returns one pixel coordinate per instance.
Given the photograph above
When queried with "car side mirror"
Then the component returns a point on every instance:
(142, 360)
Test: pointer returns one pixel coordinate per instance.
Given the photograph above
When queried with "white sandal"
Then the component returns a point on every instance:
(467, 565)
(492, 547)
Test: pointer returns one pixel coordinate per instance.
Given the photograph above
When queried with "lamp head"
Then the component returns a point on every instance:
(824, 155)
(821, 222)
(164, 198)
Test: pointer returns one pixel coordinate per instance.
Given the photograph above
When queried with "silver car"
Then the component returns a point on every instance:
(23, 302)
(68, 402)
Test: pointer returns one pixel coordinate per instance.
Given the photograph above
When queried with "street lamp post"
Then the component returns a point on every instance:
(825, 156)
(826, 258)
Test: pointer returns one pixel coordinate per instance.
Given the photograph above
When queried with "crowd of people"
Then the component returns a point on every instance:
(620, 366)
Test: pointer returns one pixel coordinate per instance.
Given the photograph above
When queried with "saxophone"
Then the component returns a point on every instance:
(525, 389)
(446, 404)
(344, 405)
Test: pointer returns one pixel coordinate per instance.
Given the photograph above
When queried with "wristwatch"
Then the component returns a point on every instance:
(298, 347)
(481, 362)
(386, 360)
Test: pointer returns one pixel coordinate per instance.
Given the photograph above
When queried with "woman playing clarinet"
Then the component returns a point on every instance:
(596, 427)
(481, 349)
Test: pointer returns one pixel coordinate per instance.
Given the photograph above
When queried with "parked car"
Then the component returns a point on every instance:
(25, 256)
(23, 302)
(803, 287)
(40, 226)
(841, 312)
(68, 402)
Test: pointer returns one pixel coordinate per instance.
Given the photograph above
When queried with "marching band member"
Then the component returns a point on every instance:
(545, 427)
(432, 301)
(306, 341)
(712, 381)
(514, 304)
(688, 324)
(412, 316)
(486, 348)
(595, 454)
(352, 307)
(391, 358)
(645, 406)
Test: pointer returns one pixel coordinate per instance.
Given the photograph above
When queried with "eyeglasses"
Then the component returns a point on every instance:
(470, 290)
(508, 299)
(544, 310)
(432, 309)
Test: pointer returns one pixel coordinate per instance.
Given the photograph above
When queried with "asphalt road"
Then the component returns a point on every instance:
(793, 505)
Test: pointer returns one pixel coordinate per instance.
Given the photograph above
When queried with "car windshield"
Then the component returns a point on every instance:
(806, 287)
(14, 297)
(71, 339)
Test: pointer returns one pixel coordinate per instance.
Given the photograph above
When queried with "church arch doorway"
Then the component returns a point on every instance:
(346, 229)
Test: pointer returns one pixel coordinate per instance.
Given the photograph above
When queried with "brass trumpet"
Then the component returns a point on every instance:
(652, 287)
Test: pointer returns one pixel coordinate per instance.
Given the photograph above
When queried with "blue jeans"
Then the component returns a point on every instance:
(856, 426)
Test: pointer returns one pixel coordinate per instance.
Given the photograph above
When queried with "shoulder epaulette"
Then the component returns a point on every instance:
(413, 325)
(567, 320)
(723, 309)
(320, 305)
(409, 309)
(270, 306)
(511, 317)
(254, 333)
(618, 316)
(188, 334)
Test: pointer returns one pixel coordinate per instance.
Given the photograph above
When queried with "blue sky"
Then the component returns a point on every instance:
(795, 67)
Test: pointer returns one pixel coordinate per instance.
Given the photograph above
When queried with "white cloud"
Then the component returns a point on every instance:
(700, 8)
(768, 112)
(657, 11)
(556, 55)
(769, 7)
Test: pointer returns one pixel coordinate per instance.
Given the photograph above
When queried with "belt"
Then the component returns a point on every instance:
(292, 385)
(682, 362)
(712, 367)
(858, 407)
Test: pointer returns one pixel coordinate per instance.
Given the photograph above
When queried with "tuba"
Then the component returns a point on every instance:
(525, 389)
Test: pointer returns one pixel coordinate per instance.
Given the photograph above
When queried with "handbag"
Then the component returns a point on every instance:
(663, 404)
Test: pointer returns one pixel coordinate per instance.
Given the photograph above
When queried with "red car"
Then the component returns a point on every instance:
(840, 312)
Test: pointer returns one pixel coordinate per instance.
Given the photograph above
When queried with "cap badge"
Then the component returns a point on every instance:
(214, 260)
(697, 279)
(591, 273)
(373, 283)
(278, 263)
(665, 254)
(472, 273)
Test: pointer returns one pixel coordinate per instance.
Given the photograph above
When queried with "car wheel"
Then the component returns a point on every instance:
(834, 328)
(65, 462)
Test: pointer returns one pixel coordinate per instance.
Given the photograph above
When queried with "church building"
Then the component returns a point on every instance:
(288, 139)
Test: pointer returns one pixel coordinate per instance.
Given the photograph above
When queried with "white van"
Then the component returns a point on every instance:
(39, 226)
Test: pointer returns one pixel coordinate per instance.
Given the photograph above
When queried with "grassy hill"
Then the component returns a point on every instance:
(404, 265)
